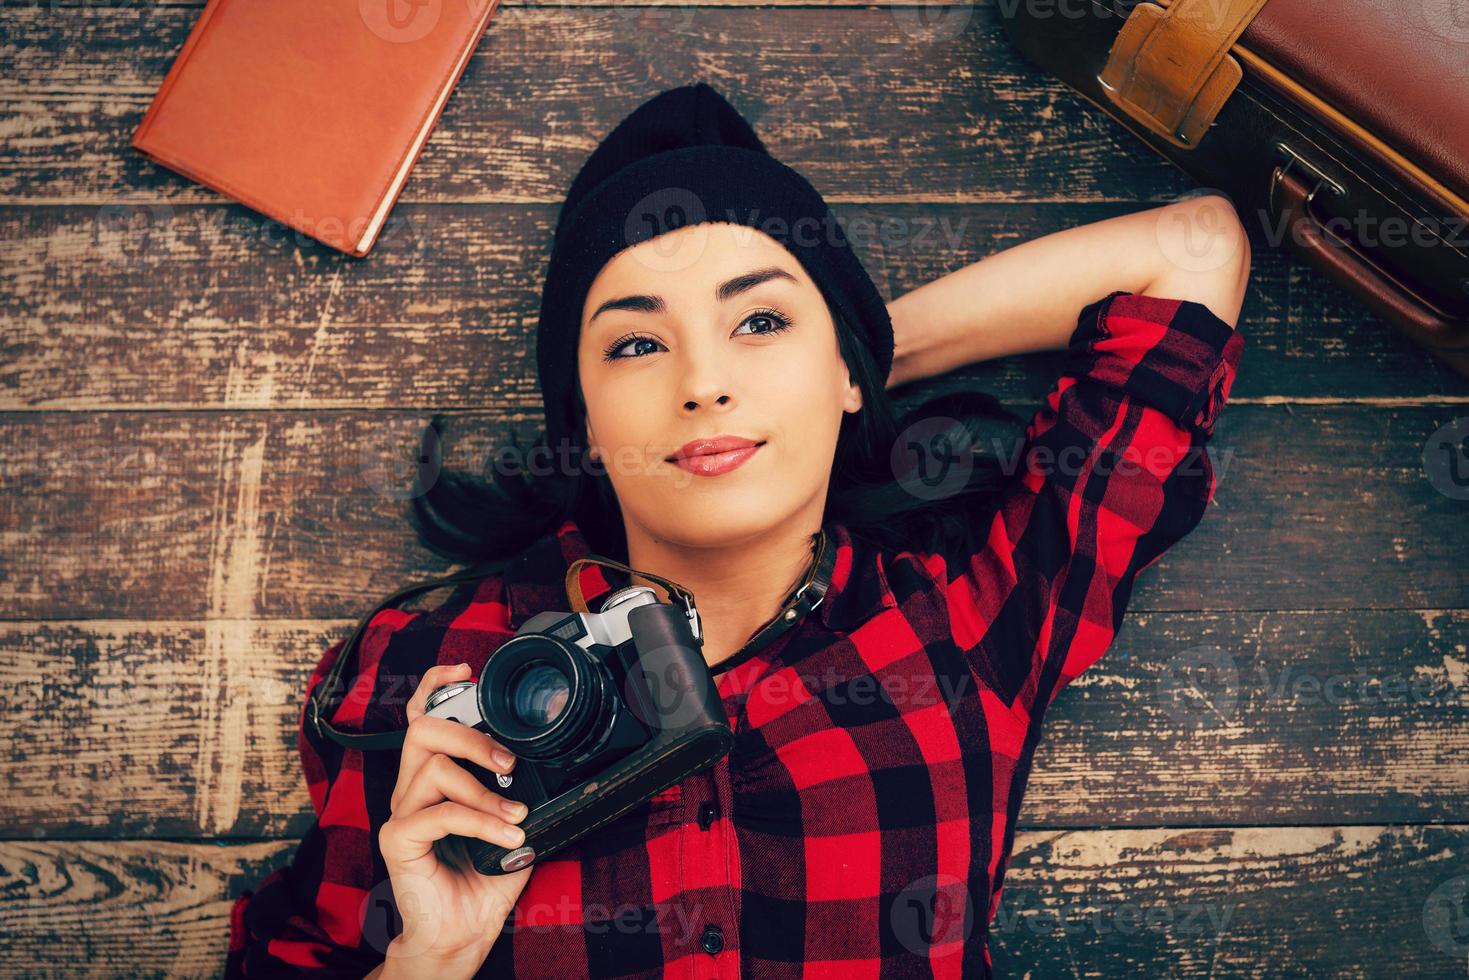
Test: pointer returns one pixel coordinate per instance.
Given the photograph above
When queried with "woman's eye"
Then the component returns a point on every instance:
(771, 321)
(776, 321)
(615, 351)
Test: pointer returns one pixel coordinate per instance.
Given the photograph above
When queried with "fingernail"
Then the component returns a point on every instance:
(515, 836)
(504, 759)
(514, 810)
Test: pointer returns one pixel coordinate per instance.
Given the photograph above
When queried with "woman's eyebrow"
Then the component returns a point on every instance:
(655, 304)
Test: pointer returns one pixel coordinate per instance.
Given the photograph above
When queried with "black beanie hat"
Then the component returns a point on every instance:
(684, 157)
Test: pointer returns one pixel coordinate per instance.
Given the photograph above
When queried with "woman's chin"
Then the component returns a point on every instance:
(710, 525)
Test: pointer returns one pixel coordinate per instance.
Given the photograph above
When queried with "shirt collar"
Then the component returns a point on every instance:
(536, 580)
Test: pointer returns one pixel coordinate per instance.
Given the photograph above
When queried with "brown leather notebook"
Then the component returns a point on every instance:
(311, 113)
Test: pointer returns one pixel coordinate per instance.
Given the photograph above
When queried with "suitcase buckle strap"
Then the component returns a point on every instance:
(1170, 68)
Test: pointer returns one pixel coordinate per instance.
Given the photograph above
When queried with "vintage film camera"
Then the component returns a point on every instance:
(602, 711)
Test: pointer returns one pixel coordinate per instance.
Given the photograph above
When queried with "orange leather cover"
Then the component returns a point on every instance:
(311, 113)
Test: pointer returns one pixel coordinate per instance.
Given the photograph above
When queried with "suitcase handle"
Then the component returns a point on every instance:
(1447, 338)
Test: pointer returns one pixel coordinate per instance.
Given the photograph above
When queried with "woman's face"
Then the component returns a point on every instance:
(712, 330)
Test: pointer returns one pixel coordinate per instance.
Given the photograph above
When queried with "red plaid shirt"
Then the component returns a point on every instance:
(862, 823)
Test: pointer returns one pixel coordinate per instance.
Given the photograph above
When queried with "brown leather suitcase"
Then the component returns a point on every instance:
(1338, 129)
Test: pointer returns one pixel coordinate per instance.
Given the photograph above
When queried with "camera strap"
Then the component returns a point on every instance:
(807, 596)
(683, 595)
(316, 711)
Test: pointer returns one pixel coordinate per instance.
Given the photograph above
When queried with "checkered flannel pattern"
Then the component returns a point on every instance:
(862, 823)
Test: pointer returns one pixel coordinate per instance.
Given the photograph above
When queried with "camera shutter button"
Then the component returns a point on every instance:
(706, 815)
(712, 940)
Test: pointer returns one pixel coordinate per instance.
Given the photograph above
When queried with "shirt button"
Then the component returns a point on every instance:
(706, 815)
(712, 940)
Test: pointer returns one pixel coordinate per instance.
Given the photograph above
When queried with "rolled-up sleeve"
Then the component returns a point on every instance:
(1175, 356)
(1114, 472)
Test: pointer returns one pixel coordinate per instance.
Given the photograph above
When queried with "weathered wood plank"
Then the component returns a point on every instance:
(123, 908)
(157, 729)
(1276, 901)
(208, 307)
(924, 103)
(1269, 901)
(189, 729)
(185, 515)
(1279, 718)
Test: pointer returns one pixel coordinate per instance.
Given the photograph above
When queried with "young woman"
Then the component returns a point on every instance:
(863, 820)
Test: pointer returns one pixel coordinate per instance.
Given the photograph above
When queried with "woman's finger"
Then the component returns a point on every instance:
(441, 778)
(428, 735)
(411, 838)
(433, 679)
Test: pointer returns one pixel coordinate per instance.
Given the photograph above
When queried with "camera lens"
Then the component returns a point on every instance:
(545, 699)
(538, 695)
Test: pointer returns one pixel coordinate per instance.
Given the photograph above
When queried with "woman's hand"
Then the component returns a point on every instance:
(452, 914)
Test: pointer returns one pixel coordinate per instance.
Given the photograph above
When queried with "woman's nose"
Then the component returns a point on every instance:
(705, 379)
(692, 404)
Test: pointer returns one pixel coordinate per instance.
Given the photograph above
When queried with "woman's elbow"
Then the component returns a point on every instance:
(1206, 255)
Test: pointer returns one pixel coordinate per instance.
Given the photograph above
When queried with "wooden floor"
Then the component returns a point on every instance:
(1268, 774)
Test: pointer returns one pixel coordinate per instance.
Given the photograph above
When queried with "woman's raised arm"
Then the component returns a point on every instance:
(1024, 298)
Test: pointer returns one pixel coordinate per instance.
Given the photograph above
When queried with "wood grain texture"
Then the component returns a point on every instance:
(126, 515)
(204, 417)
(120, 728)
(1178, 902)
(923, 102)
(140, 288)
(203, 307)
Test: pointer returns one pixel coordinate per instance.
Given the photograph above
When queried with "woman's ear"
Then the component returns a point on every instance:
(852, 401)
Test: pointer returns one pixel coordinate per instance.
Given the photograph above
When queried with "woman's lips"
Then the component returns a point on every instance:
(715, 464)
